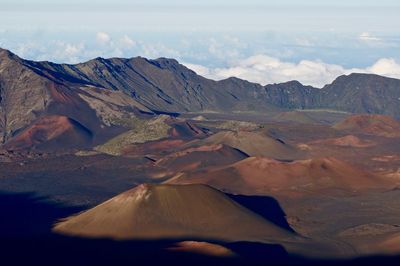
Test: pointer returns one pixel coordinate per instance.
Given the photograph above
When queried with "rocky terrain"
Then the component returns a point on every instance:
(123, 161)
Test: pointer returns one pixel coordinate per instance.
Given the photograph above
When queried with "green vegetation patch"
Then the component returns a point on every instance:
(142, 131)
(232, 125)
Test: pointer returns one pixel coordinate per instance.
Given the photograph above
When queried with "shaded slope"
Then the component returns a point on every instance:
(162, 85)
(170, 211)
(167, 86)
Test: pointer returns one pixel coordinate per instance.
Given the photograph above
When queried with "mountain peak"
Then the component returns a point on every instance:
(7, 54)
(2, 50)
(170, 211)
(293, 83)
(167, 63)
(360, 77)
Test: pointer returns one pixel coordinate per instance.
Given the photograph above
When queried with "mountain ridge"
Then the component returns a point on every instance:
(87, 92)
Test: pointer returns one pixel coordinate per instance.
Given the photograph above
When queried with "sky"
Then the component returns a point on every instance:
(262, 41)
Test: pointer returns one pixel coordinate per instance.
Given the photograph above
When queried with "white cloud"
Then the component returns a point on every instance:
(102, 37)
(155, 50)
(366, 36)
(199, 69)
(385, 67)
(264, 69)
(127, 42)
(73, 49)
(58, 51)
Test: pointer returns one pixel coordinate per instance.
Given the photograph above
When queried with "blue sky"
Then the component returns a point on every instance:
(216, 38)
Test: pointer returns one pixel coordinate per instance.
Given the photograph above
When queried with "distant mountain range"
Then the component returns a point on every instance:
(99, 93)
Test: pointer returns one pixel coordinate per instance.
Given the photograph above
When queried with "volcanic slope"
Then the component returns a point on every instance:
(251, 143)
(200, 157)
(186, 130)
(28, 92)
(263, 176)
(378, 125)
(346, 141)
(391, 244)
(149, 131)
(173, 212)
(54, 132)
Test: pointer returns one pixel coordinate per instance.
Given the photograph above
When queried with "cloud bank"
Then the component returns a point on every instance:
(265, 69)
(219, 56)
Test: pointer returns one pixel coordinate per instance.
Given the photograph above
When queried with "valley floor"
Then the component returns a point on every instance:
(328, 196)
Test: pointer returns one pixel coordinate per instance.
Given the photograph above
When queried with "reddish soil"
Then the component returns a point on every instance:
(346, 141)
(379, 125)
(258, 175)
(56, 131)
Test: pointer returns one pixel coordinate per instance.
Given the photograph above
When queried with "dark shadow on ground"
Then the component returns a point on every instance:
(25, 214)
(26, 239)
(265, 206)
